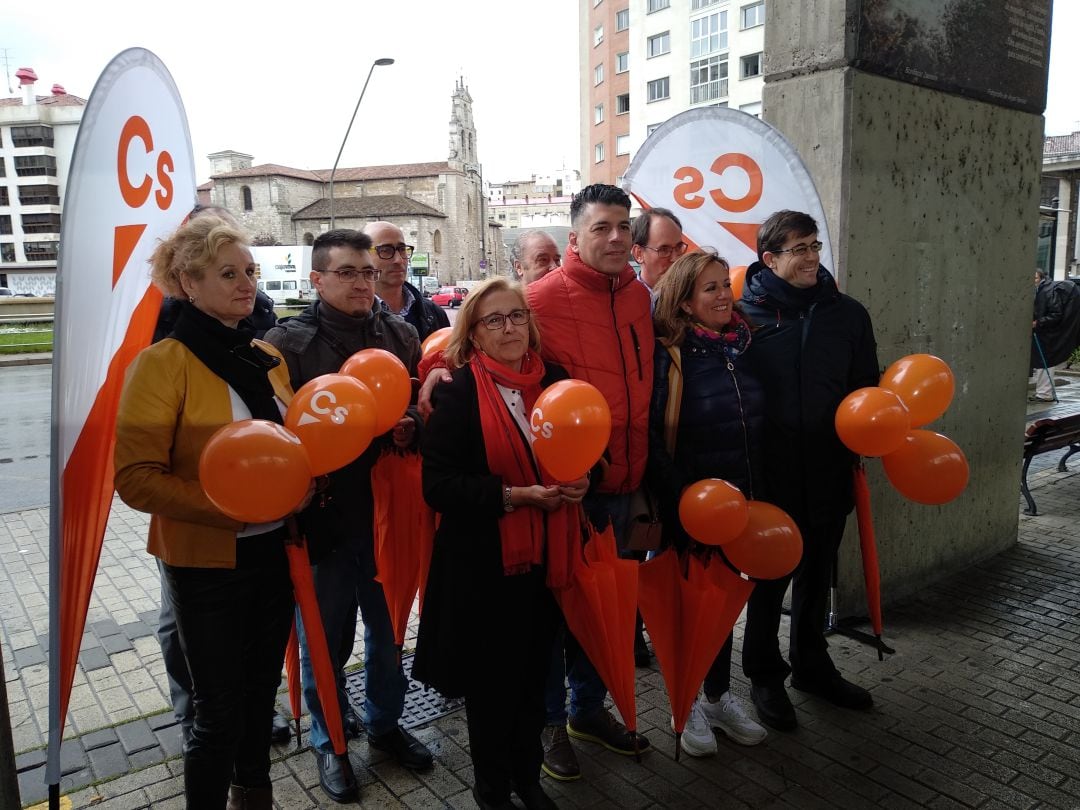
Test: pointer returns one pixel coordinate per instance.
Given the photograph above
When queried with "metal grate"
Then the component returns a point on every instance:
(422, 705)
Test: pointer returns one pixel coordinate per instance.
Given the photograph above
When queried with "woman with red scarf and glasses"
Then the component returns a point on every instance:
(506, 535)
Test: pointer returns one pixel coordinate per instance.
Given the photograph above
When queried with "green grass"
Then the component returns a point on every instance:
(26, 338)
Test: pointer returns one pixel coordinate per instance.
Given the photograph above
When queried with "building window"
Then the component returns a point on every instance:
(753, 15)
(595, 3)
(622, 62)
(5, 223)
(4, 199)
(622, 104)
(31, 136)
(245, 192)
(598, 153)
(39, 195)
(436, 241)
(658, 45)
(754, 109)
(7, 252)
(697, 5)
(40, 251)
(622, 20)
(598, 74)
(3, 171)
(657, 5)
(659, 89)
(598, 114)
(40, 223)
(708, 34)
(31, 165)
(622, 144)
(750, 66)
(708, 80)
(597, 35)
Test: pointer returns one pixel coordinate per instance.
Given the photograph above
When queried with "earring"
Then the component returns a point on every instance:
(191, 299)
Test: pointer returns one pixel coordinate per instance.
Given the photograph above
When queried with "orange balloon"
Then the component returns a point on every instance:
(571, 425)
(254, 471)
(872, 421)
(713, 511)
(388, 379)
(738, 280)
(770, 546)
(925, 384)
(436, 341)
(928, 468)
(334, 418)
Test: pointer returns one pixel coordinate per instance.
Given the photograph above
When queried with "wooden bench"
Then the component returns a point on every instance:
(1045, 436)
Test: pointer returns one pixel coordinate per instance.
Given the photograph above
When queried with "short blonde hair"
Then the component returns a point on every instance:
(676, 286)
(460, 349)
(191, 249)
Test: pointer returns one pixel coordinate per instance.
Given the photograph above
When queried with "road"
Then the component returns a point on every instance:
(25, 403)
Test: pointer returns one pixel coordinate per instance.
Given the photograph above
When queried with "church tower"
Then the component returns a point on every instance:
(462, 153)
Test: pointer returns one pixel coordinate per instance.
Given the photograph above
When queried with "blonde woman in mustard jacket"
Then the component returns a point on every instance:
(229, 581)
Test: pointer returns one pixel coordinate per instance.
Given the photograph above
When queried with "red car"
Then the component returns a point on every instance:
(449, 296)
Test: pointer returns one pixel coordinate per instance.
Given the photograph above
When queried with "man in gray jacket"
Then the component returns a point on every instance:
(338, 524)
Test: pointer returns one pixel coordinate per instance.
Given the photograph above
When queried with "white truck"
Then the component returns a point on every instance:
(284, 271)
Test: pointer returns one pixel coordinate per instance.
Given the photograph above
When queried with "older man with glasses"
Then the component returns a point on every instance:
(338, 524)
(391, 257)
(658, 241)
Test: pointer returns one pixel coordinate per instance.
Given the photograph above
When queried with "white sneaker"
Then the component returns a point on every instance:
(698, 739)
(729, 715)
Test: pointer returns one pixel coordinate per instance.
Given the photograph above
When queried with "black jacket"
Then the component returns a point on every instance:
(467, 615)
(1057, 322)
(720, 432)
(261, 319)
(812, 347)
(424, 315)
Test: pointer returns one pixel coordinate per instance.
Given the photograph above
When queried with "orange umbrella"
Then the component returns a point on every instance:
(868, 544)
(404, 532)
(325, 677)
(292, 674)
(600, 606)
(689, 610)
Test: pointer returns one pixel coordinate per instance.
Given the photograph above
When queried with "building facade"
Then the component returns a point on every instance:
(644, 61)
(1059, 225)
(543, 201)
(439, 206)
(37, 138)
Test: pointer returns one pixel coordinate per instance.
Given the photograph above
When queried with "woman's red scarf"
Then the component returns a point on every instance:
(510, 457)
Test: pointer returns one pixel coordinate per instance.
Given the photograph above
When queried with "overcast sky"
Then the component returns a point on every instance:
(279, 82)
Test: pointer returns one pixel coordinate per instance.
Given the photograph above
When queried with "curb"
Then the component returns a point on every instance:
(39, 359)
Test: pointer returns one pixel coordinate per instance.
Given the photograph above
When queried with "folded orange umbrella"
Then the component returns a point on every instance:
(690, 611)
(600, 606)
(292, 675)
(868, 544)
(325, 677)
(404, 531)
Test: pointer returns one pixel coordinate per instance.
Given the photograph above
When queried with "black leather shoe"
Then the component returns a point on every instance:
(351, 724)
(280, 731)
(404, 747)
(336, 776)
(774, 706)
(836, 690)
(533, 797)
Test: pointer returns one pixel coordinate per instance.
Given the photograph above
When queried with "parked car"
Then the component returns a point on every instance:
(449, 296)
(6, 291)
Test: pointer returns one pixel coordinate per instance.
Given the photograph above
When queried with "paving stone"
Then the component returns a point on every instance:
(148, 756)
(136, 736)
(104, 628)
(116, 644)
(94, 658)
(28, 656)
(108, 761)
(98, 739)
(162, 720)
(134, 630)
(171, 741)
(30, 760)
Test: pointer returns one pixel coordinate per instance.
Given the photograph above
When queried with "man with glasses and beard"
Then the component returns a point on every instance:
(391, 257)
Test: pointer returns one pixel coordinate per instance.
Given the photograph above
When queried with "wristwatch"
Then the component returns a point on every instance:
(507, 505)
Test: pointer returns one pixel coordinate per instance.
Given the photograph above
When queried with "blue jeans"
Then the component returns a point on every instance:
(345, 580)
(568, 660)
(176, 667)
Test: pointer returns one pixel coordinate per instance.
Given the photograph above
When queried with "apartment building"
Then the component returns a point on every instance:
(644, 61)
(37, 138)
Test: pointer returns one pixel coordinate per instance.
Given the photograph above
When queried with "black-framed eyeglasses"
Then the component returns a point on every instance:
(351, 275)
(665, 251)
(800, 250)
(388, 251)
(518, 317)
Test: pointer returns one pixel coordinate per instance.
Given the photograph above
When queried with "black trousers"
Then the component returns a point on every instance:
(234, 625)
(808, 650)
(504, 708)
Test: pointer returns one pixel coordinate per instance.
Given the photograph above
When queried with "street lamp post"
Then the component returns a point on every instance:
(333, 171)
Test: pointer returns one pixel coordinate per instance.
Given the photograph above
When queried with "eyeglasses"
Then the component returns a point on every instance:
(388, 251)
(665, 251)
(800, 250)
(350, 276)
(518, 317)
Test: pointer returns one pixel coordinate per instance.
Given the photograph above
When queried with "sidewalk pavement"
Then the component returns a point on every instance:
(979, 707)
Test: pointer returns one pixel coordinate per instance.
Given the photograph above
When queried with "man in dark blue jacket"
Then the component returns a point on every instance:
(391, 257)
(812, 347)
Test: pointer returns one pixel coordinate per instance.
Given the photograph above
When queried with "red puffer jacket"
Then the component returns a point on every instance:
(599, 328)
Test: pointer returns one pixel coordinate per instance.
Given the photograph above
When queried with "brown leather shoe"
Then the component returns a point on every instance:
(602, 727)
(560, 761)
(253, 798)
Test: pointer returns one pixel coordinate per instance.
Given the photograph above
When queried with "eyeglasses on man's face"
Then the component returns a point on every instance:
(800, 250)
(518, 317)
(388, 251)
(351, 275)
(666, 251)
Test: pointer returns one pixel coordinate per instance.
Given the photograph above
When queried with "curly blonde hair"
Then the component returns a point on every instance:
(191, 249)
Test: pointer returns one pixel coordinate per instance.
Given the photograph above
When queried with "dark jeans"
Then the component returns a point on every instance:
(809, 652)
(175, 664)
(234, 625)
(718, 678)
